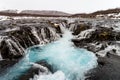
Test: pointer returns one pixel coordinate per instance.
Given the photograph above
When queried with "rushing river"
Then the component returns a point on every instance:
(68, 62)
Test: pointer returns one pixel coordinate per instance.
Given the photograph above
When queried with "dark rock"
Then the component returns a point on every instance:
(80, 27)
(45, 64)
(104, 34)
(109, 70)
(35, 70)
(7, 53)
(6, 64)
(28, 32)
(114, 50)
(29, 74)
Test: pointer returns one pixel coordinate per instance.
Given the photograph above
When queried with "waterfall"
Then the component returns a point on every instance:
(20, 37)
(43, 37)
(12, 45)
(0, 56)
(72, 27)
(71, 63)
(117, 27)
(85, 33)
(34, 32)
(0, 45)
(62, 27)
(1, 39)
(53, 34)
(68, 62)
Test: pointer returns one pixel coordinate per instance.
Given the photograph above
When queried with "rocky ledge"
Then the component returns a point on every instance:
(18, 35)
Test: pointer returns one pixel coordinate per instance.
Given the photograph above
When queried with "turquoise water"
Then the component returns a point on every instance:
(68, 62)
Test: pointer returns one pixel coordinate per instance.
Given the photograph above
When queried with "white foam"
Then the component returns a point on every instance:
(117, 28)
(85, 33)
(72, 63)
(103, 53)
(59, 75)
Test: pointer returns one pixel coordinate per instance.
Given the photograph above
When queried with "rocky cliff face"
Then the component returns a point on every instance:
(18, 35)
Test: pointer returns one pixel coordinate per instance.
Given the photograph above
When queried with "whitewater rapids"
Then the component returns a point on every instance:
(68, 62)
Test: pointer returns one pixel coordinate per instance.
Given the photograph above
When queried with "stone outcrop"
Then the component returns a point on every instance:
(79, 27)
(97, 37)
(18, 35)
(42, 68)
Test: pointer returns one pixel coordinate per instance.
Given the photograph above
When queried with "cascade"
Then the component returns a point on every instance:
(68, 62)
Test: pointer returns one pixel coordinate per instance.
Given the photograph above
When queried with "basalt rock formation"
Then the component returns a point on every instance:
(99, 36)
(18, 35)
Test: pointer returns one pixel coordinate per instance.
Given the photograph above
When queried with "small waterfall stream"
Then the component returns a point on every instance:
(68, 62)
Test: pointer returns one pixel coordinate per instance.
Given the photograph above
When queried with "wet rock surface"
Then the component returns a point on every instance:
(108, 68)
(35, 70)
(4, 64)
(23, 34)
